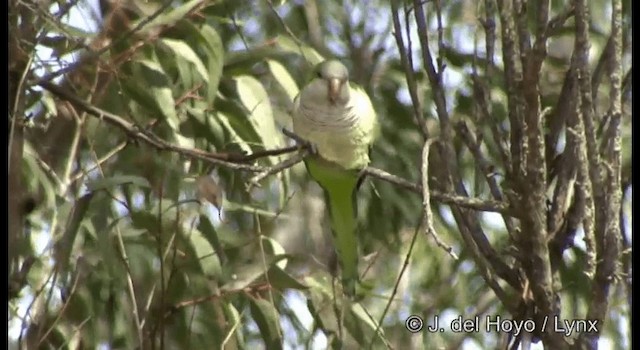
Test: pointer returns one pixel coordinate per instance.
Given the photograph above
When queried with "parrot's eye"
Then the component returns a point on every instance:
(319, 74)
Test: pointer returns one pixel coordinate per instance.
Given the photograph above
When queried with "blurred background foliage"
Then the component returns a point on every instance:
(117, 252)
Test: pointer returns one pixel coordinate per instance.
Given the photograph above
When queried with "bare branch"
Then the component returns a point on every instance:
(435, 78)
(603, 66)
(609, 192)
(444, 198)
(426, 202)
(287, 163)
(558, 20)
(485, 168)
(407, 63)
(481, 90)
(509, 56)
(405, 264)
(586, 109)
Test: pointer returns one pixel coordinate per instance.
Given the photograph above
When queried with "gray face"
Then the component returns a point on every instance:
(330, 69)
(336, 76)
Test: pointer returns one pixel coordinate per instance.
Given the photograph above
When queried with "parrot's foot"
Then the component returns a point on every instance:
(313, 149)
(294, 136)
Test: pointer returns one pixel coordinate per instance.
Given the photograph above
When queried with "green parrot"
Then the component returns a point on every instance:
(338, 119)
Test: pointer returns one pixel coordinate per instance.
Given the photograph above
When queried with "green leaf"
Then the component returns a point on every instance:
(49, 103)
(38, 177)
(181, 49)
(215, 51)
(251, 209)
(109, 182)
(239, 129)
(206, 254)
(281, 280)
(255, 98)
(230, 238)
(211, 235)
(357, 321)
(275, 249)
(107, 251)
(144, 220)
(233, 321)
(245, 275)
(267, 319)
(65, 243)
(167, 18)
(202, 125)
(361, 326)
(308, 53)
(237, 62)
(158, 86)
(281, 74)
(69, 31)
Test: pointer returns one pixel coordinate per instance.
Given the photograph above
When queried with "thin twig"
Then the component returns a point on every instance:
(261, 287)
(285, 164)
(407, 64)
(47, 169)
(14, 114)
(405, 265)
(444, 198)
(60, 312)
(130, 288)
(159, 242)
(83, 172)
(287, 29)
(49, 281)
(485, 167)
(231, 331)
(426, 201)
(269, 153)
(558, 20)
(266, 267)
(73, 148)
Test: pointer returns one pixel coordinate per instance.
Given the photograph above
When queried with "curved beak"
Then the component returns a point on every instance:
(335, 85)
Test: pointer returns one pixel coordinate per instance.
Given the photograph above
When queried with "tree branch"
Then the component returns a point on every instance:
(509, 56)
(227, 160)
(287, 163)
(607, 173)
(426, 202)
(444, 198)
(407, 64)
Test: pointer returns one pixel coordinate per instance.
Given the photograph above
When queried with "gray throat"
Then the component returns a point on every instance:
(329, 117)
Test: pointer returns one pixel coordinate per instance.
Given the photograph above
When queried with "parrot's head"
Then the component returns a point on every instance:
(330, 83)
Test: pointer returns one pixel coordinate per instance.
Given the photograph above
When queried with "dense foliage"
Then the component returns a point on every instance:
(138, 129)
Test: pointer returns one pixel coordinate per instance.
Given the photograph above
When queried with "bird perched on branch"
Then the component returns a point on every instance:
(338, 119)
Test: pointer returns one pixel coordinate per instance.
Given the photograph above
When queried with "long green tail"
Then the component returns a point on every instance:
(340, 187)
